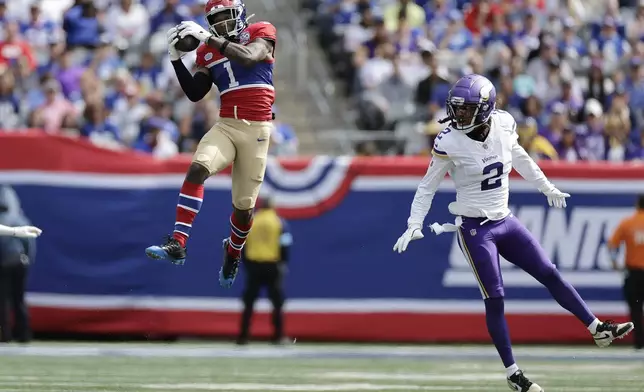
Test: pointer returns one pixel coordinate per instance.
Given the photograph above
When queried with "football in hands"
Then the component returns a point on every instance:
(187, 44)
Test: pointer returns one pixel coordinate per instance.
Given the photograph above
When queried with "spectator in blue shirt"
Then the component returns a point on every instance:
(571, 46)
(597, 26)
(636, 85)
(498, 33)
(439, 95)
(82, 26)
(162, 111)
(595, 141)
(154, 139)
(149, 74)
(436, 14)
(347, 13)
(196, 14)
(96, 126)
(609, 44)
(406, 38)
(531, 31)
(168, 16)
(635, 152)
(456, 37)
(3, 17)
(573, 103)
(41, 33)
(518, 40)
(105, 60)
(283, 140)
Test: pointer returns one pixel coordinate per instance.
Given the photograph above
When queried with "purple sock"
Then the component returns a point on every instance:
(498, 329)
(567, 297)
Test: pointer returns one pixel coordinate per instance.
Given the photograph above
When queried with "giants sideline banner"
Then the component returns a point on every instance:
(100, 209)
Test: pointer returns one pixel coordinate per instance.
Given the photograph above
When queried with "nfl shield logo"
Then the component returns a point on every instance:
(473, 232)
(485, 146)
(244, 38)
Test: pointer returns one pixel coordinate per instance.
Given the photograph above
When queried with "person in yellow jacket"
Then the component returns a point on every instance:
(265, 257)
(537, 146)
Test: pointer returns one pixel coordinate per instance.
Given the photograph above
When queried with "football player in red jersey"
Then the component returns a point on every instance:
(238, 58)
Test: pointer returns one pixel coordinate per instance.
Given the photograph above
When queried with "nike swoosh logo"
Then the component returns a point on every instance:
(260, 139)
(604, 336)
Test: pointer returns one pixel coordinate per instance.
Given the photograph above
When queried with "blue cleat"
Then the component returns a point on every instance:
(229, 268)
(171, 250)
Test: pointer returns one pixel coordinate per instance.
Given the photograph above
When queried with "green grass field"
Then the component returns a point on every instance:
(208, 366)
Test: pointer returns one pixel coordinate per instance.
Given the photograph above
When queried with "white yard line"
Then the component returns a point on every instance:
(305, 387)
(416, 376)
(318, 352)
(66, 384)
(552, 368)
(345, 387)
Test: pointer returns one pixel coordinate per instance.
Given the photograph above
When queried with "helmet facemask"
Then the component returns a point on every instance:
(463, 115)
(226, 23)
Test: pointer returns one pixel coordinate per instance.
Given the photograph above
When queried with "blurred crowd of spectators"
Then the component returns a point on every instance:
(99, 68)
(570, 71)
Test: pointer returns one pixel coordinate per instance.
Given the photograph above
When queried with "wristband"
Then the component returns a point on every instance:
(223, 47)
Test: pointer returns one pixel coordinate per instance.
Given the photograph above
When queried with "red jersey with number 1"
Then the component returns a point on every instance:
(247, 93)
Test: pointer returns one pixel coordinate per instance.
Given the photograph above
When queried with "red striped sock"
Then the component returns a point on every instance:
(238, 234)
(190, 200)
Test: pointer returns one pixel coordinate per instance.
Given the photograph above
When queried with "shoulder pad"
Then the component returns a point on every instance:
(442, 143)
(263, 30)
(504, 121)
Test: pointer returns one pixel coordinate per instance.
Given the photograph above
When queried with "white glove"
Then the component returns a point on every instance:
(188, 27)
(556, 198)
(173, 38)
(412, 233)
(26, 232)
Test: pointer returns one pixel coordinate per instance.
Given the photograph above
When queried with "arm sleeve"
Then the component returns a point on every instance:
(194, 86)
(436, 171)
(527, 167)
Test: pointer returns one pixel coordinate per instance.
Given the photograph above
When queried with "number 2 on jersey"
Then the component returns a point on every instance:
(231, 75)
(443, 132)
(493, 181)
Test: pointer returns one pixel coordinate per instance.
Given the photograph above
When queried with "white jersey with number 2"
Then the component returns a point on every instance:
(480, 171)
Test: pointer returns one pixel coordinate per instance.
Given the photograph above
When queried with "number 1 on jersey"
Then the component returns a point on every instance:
(231, 75)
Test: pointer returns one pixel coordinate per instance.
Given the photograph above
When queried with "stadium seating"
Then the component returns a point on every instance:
(99, 69)
(573, 79)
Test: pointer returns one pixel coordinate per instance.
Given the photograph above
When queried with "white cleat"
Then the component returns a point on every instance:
(609, 331)
(520, 383)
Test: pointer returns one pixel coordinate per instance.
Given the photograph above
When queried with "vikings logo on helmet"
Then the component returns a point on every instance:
(471, 102)
(226, 18)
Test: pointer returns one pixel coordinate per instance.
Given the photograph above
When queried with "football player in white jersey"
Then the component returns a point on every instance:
(478, 149)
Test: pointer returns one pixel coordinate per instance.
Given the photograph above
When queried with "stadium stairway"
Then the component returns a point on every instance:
(306, 93)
